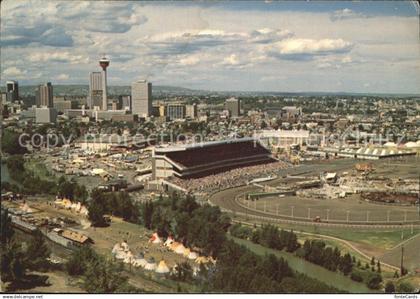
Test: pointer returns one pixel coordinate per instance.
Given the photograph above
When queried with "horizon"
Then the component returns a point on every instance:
(304, 47)
(241, 91)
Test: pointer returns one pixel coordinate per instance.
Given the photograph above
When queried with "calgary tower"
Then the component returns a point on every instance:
(104, 63)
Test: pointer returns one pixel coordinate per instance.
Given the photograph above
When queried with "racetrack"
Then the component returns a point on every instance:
(228, 200)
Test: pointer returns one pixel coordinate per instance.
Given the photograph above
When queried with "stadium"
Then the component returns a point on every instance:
(203, 159)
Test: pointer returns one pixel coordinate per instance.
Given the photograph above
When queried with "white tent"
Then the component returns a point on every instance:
(168, 241)
(78, 206)
(155, 239)
(180, 249)
(151, 265)
(120, 255)
(124, 246)
(116, 248)
(162, 267)
(84, 211)
(193, 255)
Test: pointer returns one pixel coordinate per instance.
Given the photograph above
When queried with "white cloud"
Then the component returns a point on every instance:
(14, 72)
(310, 46)
(62, 77)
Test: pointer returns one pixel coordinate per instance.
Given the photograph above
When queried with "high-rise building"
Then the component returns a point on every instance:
(233, 105)
(104, 63)
(44, 95)
(191, 111)
(175, 111)
(12, 91)
(125, 102)
(141, 98)
(95, 90)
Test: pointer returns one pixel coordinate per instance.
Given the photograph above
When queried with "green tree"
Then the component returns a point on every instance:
(37, 252)
(405, 287)
(389, 287)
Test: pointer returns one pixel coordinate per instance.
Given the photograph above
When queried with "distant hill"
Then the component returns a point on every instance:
(82, 90)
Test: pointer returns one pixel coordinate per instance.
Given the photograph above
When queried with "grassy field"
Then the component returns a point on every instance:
(334, 279)
(334, 209)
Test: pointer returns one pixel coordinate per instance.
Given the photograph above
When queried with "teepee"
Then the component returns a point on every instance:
(180, 249)
(168, 241)
(162, 267)
(151, 264)
(155, 239)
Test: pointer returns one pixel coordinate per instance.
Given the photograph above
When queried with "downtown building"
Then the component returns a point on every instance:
(141, 98)
(95, 90)
(12, 91)
(44, 95)
(233, 105)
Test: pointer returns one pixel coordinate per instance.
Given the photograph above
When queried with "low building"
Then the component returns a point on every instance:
(45, 115)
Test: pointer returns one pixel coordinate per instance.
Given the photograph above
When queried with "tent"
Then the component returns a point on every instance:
(128, 257)
(155, 239)
(174, 245)
(84, 211)
(139, 261)
(116, 248)
(193, 255)
(78, 206)
(180, 249)
(124, 246)
(120, 255)
(162, 267)
(73, 206)
(25, 208)
(168, 241)
(186, 252)
(202, 260)
(151, 264)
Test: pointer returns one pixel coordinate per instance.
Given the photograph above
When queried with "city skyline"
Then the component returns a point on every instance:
(249, 46)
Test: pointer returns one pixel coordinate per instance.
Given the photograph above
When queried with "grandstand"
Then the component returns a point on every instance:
(194, 161)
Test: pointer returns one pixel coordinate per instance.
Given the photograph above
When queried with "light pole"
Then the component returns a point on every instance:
(309, 213)
(387, 216)
(367, 216)
(265, 206)
(293, 207)
(348, 216)
(328, 214)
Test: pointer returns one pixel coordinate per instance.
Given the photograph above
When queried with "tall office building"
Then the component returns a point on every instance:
(95, 90)
(104, 63)
(141, 98)
(125, 102)
(233, 105)
(175, 111)
(12, 91)
(44, 95)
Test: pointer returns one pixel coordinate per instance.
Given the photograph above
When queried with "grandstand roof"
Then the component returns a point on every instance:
(194, 156)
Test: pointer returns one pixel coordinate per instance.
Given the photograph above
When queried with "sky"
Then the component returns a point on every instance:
(366, 47)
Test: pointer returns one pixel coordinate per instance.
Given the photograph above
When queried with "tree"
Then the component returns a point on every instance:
(6, 228)
(346, 264)
(373, 281)
(405, 287)
(372, 261)
(37, 252)
(389, 287)
(378, 266)
(102, 276)
(96, 209)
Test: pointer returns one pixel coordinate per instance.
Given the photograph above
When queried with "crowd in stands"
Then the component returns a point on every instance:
(231, 178)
